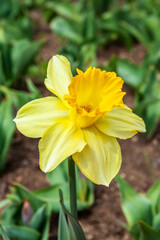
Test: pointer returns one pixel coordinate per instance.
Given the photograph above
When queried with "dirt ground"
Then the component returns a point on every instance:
(102, 220)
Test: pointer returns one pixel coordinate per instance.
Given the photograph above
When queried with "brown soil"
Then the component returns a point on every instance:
(102, 220)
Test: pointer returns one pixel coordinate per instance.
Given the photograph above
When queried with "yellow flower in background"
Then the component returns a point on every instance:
(84, 120)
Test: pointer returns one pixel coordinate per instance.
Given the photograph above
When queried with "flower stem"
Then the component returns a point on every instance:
(72, 187)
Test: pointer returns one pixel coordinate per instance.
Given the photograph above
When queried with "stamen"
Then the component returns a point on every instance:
(88, 108)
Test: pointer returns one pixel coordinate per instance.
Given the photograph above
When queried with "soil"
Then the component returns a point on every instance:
(102, 220)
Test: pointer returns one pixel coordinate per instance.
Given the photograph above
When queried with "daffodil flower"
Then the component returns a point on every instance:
(83, 121)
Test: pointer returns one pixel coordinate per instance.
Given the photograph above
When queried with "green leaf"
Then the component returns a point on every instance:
(19, 98)
(38, 218)
(9, 32)
(75, 230)
(132, 74)
(152, 23)
(23, 53)
(59, 179)
(50, 195)
(101, 6)
(5, 7)
(67, 30)
(9, 9)
(33, 90)
(147, 232)
(63, 231)
(135, 207)
(111, 23)
(156, 222)
(149, 84)
(153, 195)
(21, 232)
(135, 231)
(14, 197)
(90, 28)
(46, 228)
(64, 9)
(4, 202)
(3, 233)
(147, 102)
(8, 215)
(88, 52)
(24, 193)
(2, 73)
(41, 221)
(46, 223)
(137, 33)
(59, 175)
(7, 128)
(152, 116)
(127, 192)
(6, 64)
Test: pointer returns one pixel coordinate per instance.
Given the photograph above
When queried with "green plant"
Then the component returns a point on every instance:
(80, 32)
(14, 62)
(68, 227)
(32, 224)
(86, 26)
(141, 211)
(7, 130)
(15, 59)
(77, 24)
(17, 52)
(132, 20)
(11, 99)
(28, 212)
(14, 11)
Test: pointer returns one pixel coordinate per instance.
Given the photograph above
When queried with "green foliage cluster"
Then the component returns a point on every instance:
(79, 26)
(68, 227)
(141, 211)
(33, 222)
(17, 52)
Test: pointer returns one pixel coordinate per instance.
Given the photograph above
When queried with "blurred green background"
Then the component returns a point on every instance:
(84, 29)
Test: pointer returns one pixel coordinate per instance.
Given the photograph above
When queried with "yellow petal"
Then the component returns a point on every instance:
(59, 142)
(100, 160)
(36, 116)
(120, 123)
(58, 75)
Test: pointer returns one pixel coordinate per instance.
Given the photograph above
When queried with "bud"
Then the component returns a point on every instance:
(27, 212)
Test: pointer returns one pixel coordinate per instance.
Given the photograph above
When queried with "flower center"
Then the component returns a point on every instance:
(88, 108)
(92, 93)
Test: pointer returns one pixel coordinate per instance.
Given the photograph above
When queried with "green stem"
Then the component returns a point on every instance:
(72, 187)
